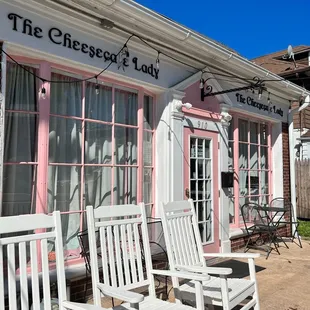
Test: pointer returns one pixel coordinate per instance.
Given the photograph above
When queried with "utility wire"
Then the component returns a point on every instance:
(111, 62)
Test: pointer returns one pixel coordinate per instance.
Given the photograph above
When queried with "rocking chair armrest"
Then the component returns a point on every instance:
(182, 274)
(121, 294)
(232, 255)
(209, 270)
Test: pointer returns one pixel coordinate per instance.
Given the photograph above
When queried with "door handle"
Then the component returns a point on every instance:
(187, 192)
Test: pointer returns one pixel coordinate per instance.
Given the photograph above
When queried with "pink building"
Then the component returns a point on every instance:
(83, 122)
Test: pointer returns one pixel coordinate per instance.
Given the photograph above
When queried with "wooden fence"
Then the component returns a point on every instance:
(303, 188)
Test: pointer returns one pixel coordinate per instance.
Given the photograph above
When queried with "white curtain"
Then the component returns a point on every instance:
(20, 142)
(125, 177)
(98, 146)
(64, 181)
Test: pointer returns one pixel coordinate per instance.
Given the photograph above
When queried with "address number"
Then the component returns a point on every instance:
(202, 125)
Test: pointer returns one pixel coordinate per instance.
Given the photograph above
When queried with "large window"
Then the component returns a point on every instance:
(249, 155)
(20, 142)
(91, 147)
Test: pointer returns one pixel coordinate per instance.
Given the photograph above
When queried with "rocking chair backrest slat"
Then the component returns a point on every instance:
(183, 238)
(24, 237)
(120, 246)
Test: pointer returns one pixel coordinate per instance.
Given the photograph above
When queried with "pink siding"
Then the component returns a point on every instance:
(192, 95)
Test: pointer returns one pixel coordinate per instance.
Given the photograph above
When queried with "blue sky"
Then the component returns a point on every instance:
(252, 27)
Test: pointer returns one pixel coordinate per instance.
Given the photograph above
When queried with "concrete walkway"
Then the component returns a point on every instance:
(283, 280)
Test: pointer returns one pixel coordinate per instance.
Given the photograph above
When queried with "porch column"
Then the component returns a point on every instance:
(224, 193)
(176, 153)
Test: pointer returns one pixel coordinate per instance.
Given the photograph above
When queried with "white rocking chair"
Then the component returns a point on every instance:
(126, 259)
(185, 253)
(26, 234)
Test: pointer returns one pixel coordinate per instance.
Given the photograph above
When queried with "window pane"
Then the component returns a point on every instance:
(98, 145)
(65, 140)
(200, 169)
(98, 106)
(20, 137)
(126, 145)
(148, 108)
(254, 157)
(147, 186)
(243, 156)
(19, 189)
(64, 193)
(254, 132)
(200, 148)
(98, 185)
(243, 130)
(207, 148)
(126, 107)
(243, 182)
(193, 147)
(263, 134)
(21, 88)
(147, 148)
(254, 183)
(125, 185)
(264, 182)
(66, 96)
(264, 158)
(264, 200)
(200, 210)
(208, 168)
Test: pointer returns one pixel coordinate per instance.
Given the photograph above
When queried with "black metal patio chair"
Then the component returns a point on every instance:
(260, 231)
(280, 202)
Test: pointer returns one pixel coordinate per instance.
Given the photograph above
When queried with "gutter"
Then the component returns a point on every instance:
(179, 34)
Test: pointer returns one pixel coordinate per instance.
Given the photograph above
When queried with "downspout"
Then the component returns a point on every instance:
(292, 161)
(292, 158)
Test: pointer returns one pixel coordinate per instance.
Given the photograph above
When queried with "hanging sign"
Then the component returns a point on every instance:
(248, 100)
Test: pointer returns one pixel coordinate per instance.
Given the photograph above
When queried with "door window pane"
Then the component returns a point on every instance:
(201, 184)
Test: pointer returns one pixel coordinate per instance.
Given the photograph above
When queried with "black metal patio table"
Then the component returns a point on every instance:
(261, 224)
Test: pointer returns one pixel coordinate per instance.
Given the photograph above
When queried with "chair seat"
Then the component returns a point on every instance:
(237, 288)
